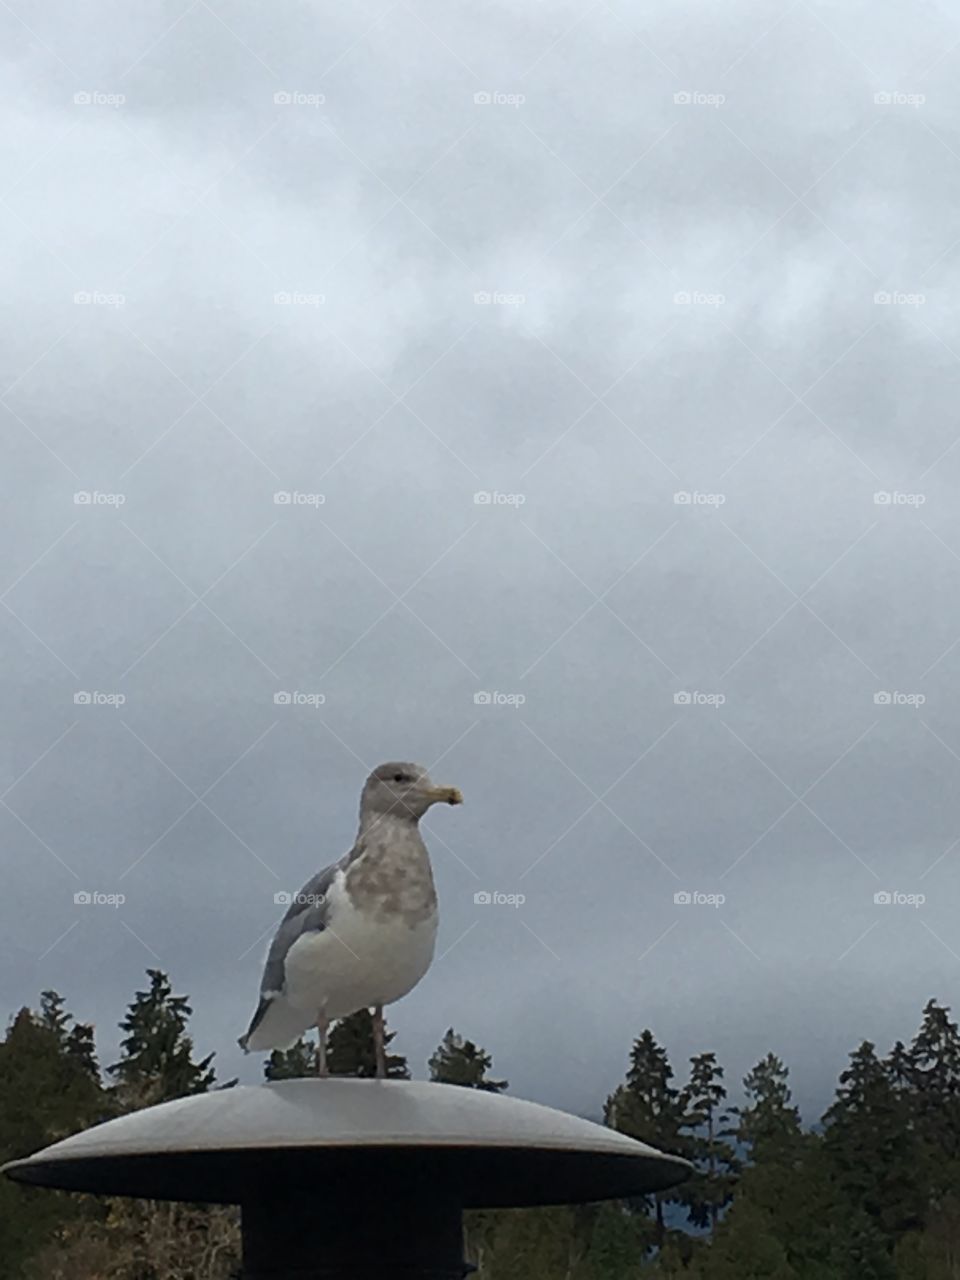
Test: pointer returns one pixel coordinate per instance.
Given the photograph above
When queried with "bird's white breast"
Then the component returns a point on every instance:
(360, 959)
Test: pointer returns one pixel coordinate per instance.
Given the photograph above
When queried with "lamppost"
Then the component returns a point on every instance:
(343, 1178)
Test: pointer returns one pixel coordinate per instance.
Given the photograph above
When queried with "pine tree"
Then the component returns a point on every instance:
(768, 1122)
(82, 1051)
(459, 1061)
(53, 1017)
(898, 1067)
(701, 1102)
(647, 1106)
(350, 1050)
(618, 1241)
(293, 1063)
(75, 1041)
(45, 1095)
(871, 1147)
(156, 1062)
(934, 1071)
(747, 1248)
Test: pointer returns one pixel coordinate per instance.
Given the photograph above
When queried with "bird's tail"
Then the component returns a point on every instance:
(275, 1025)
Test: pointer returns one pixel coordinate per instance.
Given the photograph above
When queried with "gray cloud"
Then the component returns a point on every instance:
(781, 199)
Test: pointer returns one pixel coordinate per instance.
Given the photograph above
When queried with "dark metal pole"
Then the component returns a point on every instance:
(319, 1233)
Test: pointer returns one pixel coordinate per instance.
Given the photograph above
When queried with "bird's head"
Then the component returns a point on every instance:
(402, 790)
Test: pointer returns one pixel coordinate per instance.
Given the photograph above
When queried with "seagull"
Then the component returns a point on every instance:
(360, 934)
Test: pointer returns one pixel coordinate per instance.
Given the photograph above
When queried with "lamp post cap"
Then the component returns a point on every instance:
(231, 1145)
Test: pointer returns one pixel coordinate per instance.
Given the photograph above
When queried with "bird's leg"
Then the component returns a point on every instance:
(322, 1023)
(378, 1042)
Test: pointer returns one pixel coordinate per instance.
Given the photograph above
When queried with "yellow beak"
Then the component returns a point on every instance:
(446, 795)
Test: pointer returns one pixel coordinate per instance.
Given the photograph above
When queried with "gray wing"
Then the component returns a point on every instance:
(309, 911)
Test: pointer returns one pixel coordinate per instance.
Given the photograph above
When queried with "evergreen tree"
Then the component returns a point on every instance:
(53, 1017)
(701, 1103)
(873, 1152)
(459, 1061)
(537, 1244)
(768, 1121)
(75, 1041)
(934, 1071)
(747, 1248)
(45, 1095)
(293, 1063)
(156, 1062)
(350, 1050)
(898, 1068)
(618, 1240)
(647, 1106)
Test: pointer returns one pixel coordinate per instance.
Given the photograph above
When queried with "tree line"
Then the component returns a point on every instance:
(871, 1192)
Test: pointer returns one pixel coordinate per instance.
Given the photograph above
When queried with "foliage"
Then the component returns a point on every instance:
(873, 1193)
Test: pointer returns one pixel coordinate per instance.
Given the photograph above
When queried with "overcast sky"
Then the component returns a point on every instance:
(672, 286)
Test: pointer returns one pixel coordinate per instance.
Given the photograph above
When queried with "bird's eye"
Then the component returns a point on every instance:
(400, 777)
